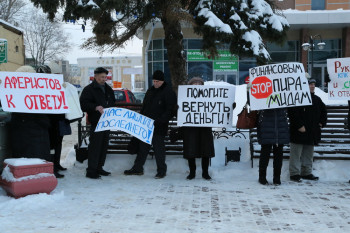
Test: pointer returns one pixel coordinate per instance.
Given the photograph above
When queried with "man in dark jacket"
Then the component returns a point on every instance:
(305, 132)
(158, 104)
(95, 97)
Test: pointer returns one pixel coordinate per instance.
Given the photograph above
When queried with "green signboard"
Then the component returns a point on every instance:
(3, 51)
(225, 62)
(225, 66)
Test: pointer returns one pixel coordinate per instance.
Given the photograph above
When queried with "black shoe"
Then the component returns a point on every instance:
(58, 175)
(295, 178)
(277, 181)
(310, 177)
(59, 167)
(263, 181)
(206, 176)
(191, 176)
(132, 171)
(103, 173)
(93, 175)
(160, 175)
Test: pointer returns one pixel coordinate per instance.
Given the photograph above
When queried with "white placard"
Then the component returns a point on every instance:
(278, 86)
(32, 93)
(127, 121)
(208, 106)
(339, 74)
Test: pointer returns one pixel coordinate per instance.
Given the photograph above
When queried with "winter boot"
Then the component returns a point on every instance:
(192, 166)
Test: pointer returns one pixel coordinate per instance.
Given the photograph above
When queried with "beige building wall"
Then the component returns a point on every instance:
(15, 47)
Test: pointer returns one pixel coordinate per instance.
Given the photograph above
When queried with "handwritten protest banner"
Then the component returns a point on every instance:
(278, 86)
(127, 121)
(339, 74)
(32, 93)
(209, 106)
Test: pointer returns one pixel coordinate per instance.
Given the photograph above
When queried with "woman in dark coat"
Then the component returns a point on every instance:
(29, 132)
(273, 133)
(198, 143)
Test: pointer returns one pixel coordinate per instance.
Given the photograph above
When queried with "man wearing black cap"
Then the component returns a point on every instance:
(95, 97)
(158, 104)
(305, 132)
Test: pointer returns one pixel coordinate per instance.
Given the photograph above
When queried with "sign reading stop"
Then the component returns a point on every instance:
(261, 87)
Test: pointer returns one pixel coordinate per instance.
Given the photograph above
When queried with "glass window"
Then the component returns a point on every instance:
(150, 56)
(167, 74)
(157, 66)
(158, 55)
(317, 4)
(131, 97)
(195, 44)
(201, 69)
(165, 54)
(119, 96)
(157, 44)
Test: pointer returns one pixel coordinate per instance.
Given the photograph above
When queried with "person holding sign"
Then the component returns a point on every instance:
(95, 97)
(273, 133)
(29, 132)
(198, 143)
(305, 132)
(159, 104)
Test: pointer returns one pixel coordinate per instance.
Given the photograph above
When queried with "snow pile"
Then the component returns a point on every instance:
(8, 176)
(24, 161)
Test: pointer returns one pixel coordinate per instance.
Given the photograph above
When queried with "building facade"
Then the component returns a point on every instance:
(325, 21)
(13, 36)
(118, 68)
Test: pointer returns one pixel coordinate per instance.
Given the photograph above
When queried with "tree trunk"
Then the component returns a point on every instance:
(176, 54)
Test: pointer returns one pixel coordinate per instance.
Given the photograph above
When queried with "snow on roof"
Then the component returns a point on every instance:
(11, 26)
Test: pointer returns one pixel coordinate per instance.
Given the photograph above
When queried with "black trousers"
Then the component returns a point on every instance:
(97, 149)
(58, 150)
(159, 153)
(192, 165)
(277, 151)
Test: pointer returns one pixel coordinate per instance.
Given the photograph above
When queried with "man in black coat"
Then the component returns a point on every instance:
(159, 104)
(95, 97)
(305, 132)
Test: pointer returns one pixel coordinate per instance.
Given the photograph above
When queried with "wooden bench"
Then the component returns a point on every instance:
(335, 137)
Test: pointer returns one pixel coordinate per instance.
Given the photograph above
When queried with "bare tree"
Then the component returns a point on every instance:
(10, 10)
(44, 40)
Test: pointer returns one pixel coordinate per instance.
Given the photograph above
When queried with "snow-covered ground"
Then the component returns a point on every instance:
(233, 201)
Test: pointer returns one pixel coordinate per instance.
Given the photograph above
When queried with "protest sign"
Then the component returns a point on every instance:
(32, 93)
(127, 121)
(278, 86)
(339, 74)
(208, 106)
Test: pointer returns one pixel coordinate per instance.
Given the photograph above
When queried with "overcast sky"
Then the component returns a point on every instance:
(77, 37)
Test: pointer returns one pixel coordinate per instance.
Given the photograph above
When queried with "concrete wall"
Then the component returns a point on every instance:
(14, 37)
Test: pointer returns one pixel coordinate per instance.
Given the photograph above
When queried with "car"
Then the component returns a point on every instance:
(139, 95)
(123, 95)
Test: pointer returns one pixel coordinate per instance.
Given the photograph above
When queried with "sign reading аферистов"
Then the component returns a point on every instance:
(127, 121)
(208, 106)
(32, 93)
(278, 86)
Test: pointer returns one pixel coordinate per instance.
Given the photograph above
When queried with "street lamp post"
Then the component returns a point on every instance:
(310, 46)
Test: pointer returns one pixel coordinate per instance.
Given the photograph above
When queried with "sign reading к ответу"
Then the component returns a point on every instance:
(278, 86)
(127, 121)
(339, 74)
(205, 105)
(225, 62)
(32, 93)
